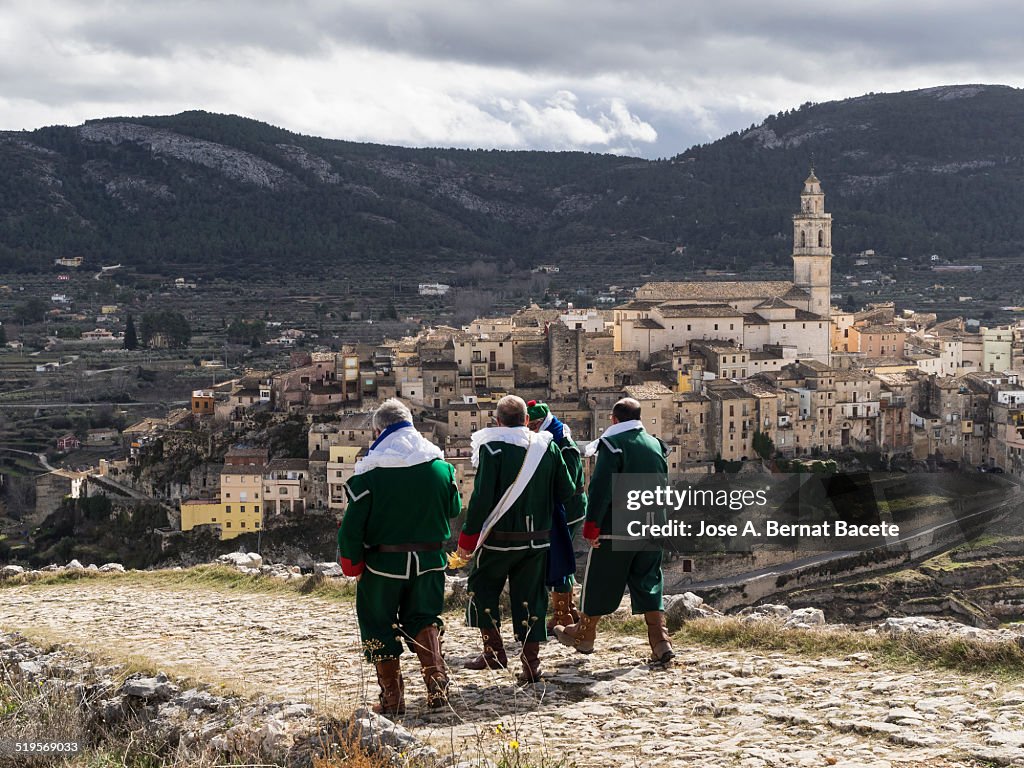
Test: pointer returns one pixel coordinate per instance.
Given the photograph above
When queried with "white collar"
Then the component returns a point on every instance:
(521, 436)
(614, 429)
(402, 448)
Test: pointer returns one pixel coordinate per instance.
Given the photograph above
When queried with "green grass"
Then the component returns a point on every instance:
(213, 577)
(904, 503)
(991, 658)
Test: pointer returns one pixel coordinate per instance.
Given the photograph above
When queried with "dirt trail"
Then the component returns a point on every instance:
(716, 708)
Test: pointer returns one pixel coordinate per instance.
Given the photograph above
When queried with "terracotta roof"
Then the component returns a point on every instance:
(639, 304)
(647, 323)
(774, 303)
(755, 289)
(802, 314)
(652, 390)
(286, 464)
(698, 310)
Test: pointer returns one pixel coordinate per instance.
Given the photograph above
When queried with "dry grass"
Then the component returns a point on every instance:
(999, 658)
(214, 577)
(51, 713)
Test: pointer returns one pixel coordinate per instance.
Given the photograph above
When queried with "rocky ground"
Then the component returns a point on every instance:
(714, 708)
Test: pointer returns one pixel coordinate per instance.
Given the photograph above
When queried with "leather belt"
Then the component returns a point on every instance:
(520, 535)
(426, 546)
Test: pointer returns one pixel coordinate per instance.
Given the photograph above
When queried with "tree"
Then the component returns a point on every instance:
(173, 327)
(251, 332)
(31, 311)
(764, 446)
(131, 338)
(3, 335)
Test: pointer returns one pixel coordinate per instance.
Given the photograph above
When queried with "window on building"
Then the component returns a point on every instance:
(241, 524)
(227, 524)
(227, 508)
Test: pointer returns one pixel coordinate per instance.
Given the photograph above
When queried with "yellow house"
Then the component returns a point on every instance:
(232, 519)
(239, 509)
(339, 469)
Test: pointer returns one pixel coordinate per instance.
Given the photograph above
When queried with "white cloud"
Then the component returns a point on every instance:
(648, 77)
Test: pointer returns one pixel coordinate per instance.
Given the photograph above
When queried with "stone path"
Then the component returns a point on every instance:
(716, 708)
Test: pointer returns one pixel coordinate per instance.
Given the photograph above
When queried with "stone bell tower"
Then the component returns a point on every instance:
(812, 247)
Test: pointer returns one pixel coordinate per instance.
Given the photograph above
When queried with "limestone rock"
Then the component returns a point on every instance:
(241, 560)
(766, 611)
(376, 729)
(681, 608)
(802, 618)
(328, 569)
(111, 568)
(146, 688)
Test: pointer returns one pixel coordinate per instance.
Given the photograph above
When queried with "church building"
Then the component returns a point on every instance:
(789, 317)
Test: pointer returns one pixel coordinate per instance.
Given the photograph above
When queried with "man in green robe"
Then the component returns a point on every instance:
(391, 540)
(520, 475)
(563, 609)
(624, 448)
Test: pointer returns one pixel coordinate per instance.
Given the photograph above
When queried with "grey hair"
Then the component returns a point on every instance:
(511, 411)
(391, 411)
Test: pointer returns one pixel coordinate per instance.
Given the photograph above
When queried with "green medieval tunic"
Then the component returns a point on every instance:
(400, 592)
(516, 549)
(609, 571)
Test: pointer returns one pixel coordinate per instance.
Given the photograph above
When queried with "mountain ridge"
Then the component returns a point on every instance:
(933, 170)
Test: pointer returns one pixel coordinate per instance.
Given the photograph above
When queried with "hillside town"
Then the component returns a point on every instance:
(729, 375)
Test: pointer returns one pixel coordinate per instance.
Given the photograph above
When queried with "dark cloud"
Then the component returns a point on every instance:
(649, 76)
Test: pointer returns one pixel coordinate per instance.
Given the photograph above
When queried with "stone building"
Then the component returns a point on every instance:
(750, 315)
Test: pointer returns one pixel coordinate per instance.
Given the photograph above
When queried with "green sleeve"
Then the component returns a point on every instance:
(352, 533)
(577, 507)
(564, 482)
(484, 487)
(455, 500)
(600, 491)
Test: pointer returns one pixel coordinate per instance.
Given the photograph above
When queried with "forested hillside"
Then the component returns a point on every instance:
(938, 170)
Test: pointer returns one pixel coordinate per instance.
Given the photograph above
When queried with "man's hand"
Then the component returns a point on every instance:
(359, 578)
(592, 534)
(594, 543)
(464, 553)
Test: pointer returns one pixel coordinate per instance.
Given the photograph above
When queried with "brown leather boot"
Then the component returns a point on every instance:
(530, 657)
(580, 635)
(428, 649)
(561, 603)
(573, 611)
(392, 688)
(657, 635)
(494, 656)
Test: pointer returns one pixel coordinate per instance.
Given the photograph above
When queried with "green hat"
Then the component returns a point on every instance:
(537, 410)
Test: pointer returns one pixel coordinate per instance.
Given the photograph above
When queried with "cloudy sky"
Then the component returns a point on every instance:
(643, 77)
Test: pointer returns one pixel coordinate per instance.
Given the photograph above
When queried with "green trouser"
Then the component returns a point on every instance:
(609, 572)
(524, 569)
(566, 584)
(390, 610)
